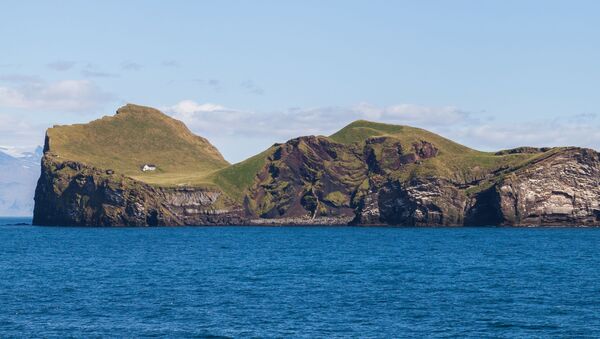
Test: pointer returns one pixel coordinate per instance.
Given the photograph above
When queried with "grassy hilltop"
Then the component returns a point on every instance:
(139, 135)
(454, 161)
(367, 173)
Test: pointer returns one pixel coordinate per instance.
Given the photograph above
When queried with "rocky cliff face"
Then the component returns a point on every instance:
(563, 189)
(560, 189)
(309, 178)
(314, 181)
(366, 174)
(432, 202)
(73, 194)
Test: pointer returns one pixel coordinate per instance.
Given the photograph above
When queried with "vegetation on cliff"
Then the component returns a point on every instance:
(139, 135)
(136, 136)
(366, 173)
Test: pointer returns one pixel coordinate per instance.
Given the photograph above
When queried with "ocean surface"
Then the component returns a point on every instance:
(321, 282)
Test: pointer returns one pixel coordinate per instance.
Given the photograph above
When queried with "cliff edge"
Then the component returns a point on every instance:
(143, 168)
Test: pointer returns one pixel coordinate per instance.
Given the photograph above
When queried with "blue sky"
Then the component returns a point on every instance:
(247, 74)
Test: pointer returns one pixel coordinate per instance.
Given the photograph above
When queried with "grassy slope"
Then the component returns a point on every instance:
(139, 135)
(235, 179)
(455, 161)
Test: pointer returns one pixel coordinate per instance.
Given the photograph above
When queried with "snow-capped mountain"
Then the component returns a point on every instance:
(19, 172)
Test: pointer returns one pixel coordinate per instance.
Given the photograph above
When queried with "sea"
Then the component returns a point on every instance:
(298, 282)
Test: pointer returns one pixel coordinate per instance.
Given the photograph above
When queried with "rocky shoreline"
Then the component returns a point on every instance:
(561, 190)
(411, 178)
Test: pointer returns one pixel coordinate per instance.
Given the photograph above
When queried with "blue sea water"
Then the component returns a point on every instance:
(299, 282)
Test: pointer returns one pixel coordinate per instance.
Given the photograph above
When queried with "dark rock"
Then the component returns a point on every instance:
(314, 181)
(87, 197)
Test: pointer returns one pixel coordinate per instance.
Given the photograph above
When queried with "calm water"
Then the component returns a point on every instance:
(299, 282)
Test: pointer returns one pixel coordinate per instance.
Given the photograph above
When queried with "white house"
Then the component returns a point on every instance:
(148, 167)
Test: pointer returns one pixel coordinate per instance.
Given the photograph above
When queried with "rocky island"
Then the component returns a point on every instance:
(142, 168)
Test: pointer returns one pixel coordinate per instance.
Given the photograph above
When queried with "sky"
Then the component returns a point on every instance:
(247, 74)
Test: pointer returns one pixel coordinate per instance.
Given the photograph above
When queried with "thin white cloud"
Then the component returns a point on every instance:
(18, 151)
(129, 65)
(170, 63)
(92, 71)
(65, 95)
(538, 133)
(415, 114)
(210, 118)
(474, 129)
(192, 107)
(20, 134)
(20, 78)
(213, 84)
(61, 65)
(88, 73)
(252, 88)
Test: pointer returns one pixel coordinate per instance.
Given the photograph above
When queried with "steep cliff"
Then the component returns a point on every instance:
(561, 189)
(92, 174)
(365, 174)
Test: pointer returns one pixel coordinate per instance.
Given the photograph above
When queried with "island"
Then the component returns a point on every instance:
(141, 167)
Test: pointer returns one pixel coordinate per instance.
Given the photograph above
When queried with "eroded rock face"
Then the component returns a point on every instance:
(71, 194)
(422, 203)
(416, 203)
(312, 180)
(560, 189)
(563, 189)
(314, 177)
(384, 154)
(308, 177)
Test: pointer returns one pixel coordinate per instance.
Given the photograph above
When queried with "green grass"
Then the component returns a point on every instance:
(360, 130)
(454, 161)
(235, 179)
(138, 135)
(338, 198)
